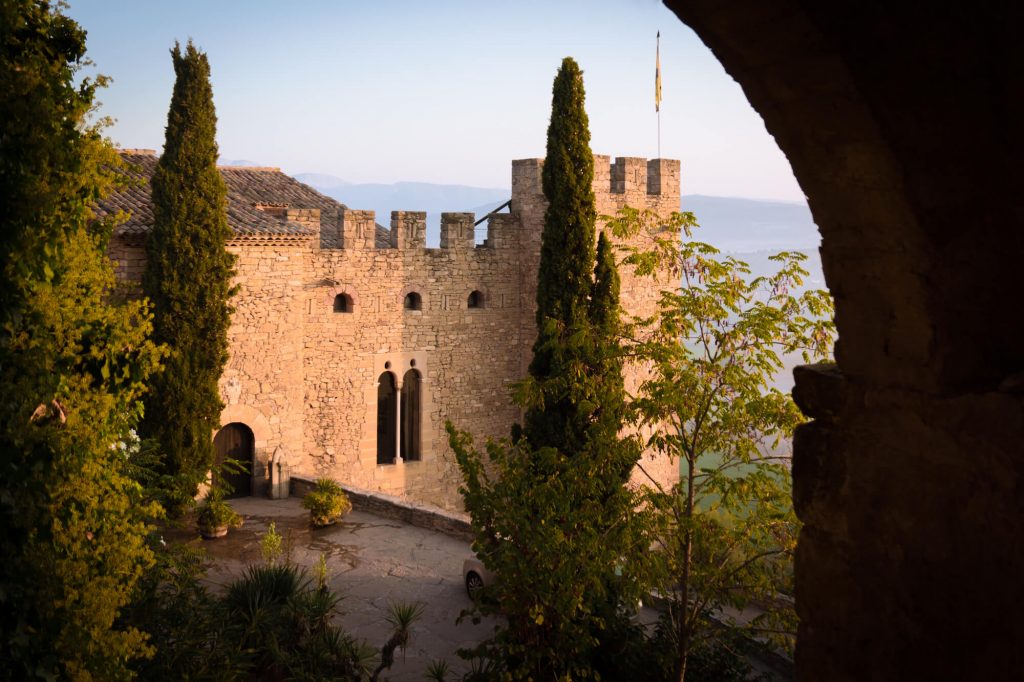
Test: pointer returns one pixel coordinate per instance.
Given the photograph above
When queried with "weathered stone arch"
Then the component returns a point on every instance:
(344, 289)
(903, 127)
(263, 440)
(415, 288)
(483, 297)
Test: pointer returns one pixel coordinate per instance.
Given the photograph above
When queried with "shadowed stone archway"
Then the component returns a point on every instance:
(903, 124)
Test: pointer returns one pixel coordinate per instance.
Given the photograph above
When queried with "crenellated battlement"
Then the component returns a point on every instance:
(626, 180)
(457, 230)
(357, 230)
(636, 181)
(408, 229)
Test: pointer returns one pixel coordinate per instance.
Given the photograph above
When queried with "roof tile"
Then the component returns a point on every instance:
(246, 187)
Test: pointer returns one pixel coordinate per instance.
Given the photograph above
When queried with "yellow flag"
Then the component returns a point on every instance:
(657, 75)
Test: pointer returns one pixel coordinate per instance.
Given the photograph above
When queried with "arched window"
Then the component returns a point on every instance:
(475, 300)
(342, 303)
(386, 414)
(413, 301)
(411, 406)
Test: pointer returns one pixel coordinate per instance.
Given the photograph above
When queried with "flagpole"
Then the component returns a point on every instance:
(657, 86)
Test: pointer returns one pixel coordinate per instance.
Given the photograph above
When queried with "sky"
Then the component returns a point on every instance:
(442, 91)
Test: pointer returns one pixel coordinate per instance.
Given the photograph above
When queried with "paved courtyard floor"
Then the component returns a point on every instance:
(373, 562)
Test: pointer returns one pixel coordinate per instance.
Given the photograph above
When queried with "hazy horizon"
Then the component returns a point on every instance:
(446, 93)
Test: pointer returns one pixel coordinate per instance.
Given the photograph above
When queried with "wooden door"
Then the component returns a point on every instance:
(235, 441)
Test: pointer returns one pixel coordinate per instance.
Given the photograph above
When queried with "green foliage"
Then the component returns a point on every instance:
(276, 615)
(215, 513)
(271, 549)
(567, 249)
(727, 531)
(555, 533)
(187, 625)
(73, 360)
(322, 575)
(552, 516)
(272, 623)
(326, 502)
(401, 618)
(559, 407)
(438, 670)
(188, 278)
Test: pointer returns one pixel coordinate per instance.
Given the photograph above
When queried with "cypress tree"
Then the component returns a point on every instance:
(556, 519)
(188, 279)
(72, 366)
(567, 243)
(576, 361)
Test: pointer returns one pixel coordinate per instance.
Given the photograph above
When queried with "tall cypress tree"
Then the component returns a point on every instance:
(73, 362)
(555, 519)
(188, 279)
(575, 356)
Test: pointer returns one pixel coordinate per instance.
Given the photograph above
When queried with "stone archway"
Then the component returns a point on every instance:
(903, 127)
(234, 442)
(265, 439)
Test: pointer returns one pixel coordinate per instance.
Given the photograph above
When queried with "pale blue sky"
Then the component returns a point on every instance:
(444, 91)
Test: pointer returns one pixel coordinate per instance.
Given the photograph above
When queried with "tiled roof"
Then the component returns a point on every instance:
(247, 187)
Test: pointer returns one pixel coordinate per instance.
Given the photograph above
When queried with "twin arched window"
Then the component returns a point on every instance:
(399, 417)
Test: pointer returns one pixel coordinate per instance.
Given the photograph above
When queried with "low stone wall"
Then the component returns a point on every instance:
(427, 516)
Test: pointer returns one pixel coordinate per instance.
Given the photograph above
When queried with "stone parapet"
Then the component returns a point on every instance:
(455, 524)
(457, 230)
(358, 229)
(408, 229)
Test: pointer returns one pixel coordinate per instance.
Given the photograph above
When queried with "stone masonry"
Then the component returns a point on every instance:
(304, 370)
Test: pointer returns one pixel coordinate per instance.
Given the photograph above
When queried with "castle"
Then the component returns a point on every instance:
(351, 344)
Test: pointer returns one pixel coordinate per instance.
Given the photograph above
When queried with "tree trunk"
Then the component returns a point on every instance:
(684, 581)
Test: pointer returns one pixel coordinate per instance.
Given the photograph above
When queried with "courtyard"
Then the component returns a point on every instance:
(372, 562)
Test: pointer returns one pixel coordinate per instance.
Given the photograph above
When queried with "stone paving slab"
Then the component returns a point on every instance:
(372, 562)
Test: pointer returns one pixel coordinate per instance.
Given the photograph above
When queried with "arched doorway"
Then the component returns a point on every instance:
(909, 163)
(235, 441)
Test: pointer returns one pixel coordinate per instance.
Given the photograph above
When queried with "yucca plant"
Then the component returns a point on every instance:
(438, 670)
(400, 617)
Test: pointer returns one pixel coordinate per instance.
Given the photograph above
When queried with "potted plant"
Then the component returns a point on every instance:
(326, 503)
(215, 517)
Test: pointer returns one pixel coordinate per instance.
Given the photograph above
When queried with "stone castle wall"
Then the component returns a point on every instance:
(304, 378)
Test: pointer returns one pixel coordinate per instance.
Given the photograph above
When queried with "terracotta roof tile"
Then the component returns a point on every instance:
(246, 187)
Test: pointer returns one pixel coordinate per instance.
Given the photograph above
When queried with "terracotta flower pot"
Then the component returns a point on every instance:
(215, 532)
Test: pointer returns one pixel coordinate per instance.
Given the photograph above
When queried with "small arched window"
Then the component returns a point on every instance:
(342, 303)
(411, 407)
(475, 300)
(413, 301)
(387, 404)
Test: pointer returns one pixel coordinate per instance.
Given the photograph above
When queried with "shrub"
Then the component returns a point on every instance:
(327, 502)
(270, 545)
(215, 513)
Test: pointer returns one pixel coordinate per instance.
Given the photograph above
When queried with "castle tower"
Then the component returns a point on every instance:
(629, 181)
